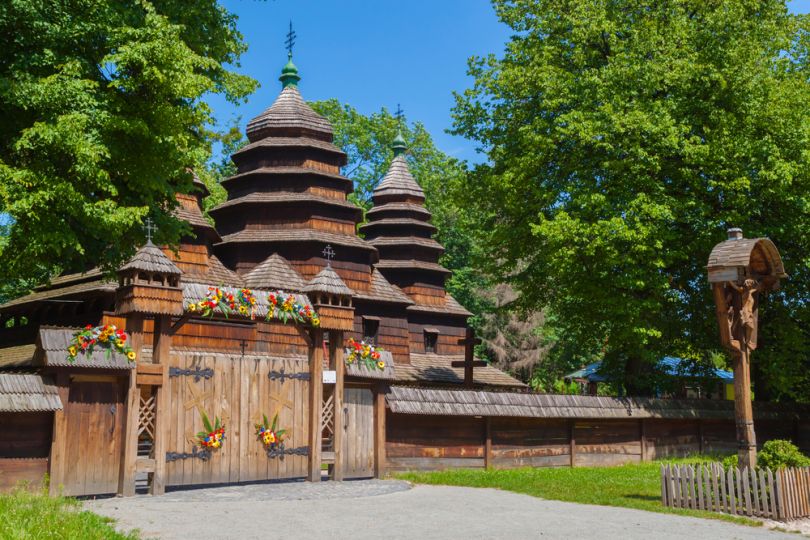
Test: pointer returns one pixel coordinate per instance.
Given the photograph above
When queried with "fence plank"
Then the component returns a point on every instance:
(780, 495)
(664, 485)
(723, 489)
(732, 499)
(755, 493)
(746, 491)
(699, 472)
(692, 494)
(763, 495)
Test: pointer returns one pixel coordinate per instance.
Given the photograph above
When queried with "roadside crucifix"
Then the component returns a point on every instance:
(740, 269)
(469, 342)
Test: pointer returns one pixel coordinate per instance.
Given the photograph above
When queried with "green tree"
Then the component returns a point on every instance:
(102, 117)
(623, 138)
(367, 143)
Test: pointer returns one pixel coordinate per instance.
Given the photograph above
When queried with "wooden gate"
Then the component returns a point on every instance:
(95, 415)
(239, 390)
(358, 434)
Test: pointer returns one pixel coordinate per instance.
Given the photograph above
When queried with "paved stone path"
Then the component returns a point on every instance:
(376, 509)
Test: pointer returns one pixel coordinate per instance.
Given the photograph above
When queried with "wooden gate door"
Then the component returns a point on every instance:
(358, 435)
(240, 391)
(95, 415)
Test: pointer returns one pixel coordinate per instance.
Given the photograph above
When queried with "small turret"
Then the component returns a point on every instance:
(149, 283)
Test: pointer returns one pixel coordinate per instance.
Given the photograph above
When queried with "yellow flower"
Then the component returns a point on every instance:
(131, 356)
(192, 307)
(72, 350)
(242, 310)
(381, 364)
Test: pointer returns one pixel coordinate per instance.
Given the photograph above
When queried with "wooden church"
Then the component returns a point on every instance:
(262, 348)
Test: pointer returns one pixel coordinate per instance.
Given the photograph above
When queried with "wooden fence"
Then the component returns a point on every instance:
(784, 494)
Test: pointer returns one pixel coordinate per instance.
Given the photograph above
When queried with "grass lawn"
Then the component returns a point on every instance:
(34, 516)
(629, 486)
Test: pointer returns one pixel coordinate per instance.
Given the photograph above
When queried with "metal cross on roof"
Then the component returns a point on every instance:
(329, 253)
(399, 113)
(290, 41)
(150, 227)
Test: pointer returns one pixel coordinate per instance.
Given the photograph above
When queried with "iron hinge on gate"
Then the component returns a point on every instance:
(197, 373)
(283, 375)
(281, 451)
(203, 455)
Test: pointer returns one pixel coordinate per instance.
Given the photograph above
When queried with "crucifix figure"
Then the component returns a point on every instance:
(469, 342)
(329, 253)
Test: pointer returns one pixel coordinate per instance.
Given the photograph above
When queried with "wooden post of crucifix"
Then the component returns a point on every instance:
(469, 342)
(740, 270)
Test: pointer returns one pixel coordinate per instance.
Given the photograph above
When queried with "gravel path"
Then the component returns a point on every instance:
(376, 509)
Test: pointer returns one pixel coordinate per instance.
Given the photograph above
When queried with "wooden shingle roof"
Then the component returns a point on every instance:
(289, 142)
(295, 235)
(151, 259)
(289, 111)
(25, 392)
(411, 264)
(327, 281)
(359, 370)
(407, 400)
(450, 307)
(285, 198)
(398, 181)
(437, 369)
(382, 291)
(52, 346)
(17, 356)
(398, 208)
(288, 171)
(66, 291)
(428, 243)
(275, 272)
(194, 292)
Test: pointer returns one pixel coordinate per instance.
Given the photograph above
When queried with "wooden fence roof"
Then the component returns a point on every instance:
(24, 392)
(361, 371)
(52, 349)
(406, 400)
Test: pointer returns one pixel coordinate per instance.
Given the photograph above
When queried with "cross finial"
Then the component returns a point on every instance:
(149, 225)
(399, 114)
(290, 41)
(329, 253)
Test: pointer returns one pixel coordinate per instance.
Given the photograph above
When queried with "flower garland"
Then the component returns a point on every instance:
(108, 337)
(247, 303)
(216, 298)
(366, 353)
(214, 435)
(269, 434)
(285, 307)
(282, 306)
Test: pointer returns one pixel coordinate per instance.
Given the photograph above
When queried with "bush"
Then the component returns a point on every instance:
(731, 461)
(778, 454)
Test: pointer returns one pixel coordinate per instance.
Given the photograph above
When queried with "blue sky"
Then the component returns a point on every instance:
(373, 54)
(369, 54)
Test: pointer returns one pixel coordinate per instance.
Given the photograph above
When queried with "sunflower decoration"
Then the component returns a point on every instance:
(286, 307)
(217, 298)
(247, 303)
(213, 435)
(107, 337)
(366, 353)
(269, 434)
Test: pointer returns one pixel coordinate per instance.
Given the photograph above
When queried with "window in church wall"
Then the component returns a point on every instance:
(431, 341)
(371, 330)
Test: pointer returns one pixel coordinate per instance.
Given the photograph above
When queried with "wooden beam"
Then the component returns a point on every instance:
(161, 351)
(180, 322)
(572, 449)
(700, 436)
(642, 429)
(335, 340)
(304, 332)
(57, 461)
(488, 442)
(129, 446)
(315, 404)
(379, 431)
(469, 363)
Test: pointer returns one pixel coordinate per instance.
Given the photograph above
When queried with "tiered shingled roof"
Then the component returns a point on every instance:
(288, 196)
(399, 227)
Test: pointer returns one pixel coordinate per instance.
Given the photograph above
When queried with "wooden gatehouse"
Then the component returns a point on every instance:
(99, 423)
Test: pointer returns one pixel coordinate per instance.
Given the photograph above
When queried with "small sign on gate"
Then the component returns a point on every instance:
(329, 377)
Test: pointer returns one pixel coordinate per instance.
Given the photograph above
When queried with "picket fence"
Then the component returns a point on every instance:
(783, 494)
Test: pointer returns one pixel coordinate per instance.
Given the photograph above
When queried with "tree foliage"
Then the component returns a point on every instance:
(623, 139)
(101, 119)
